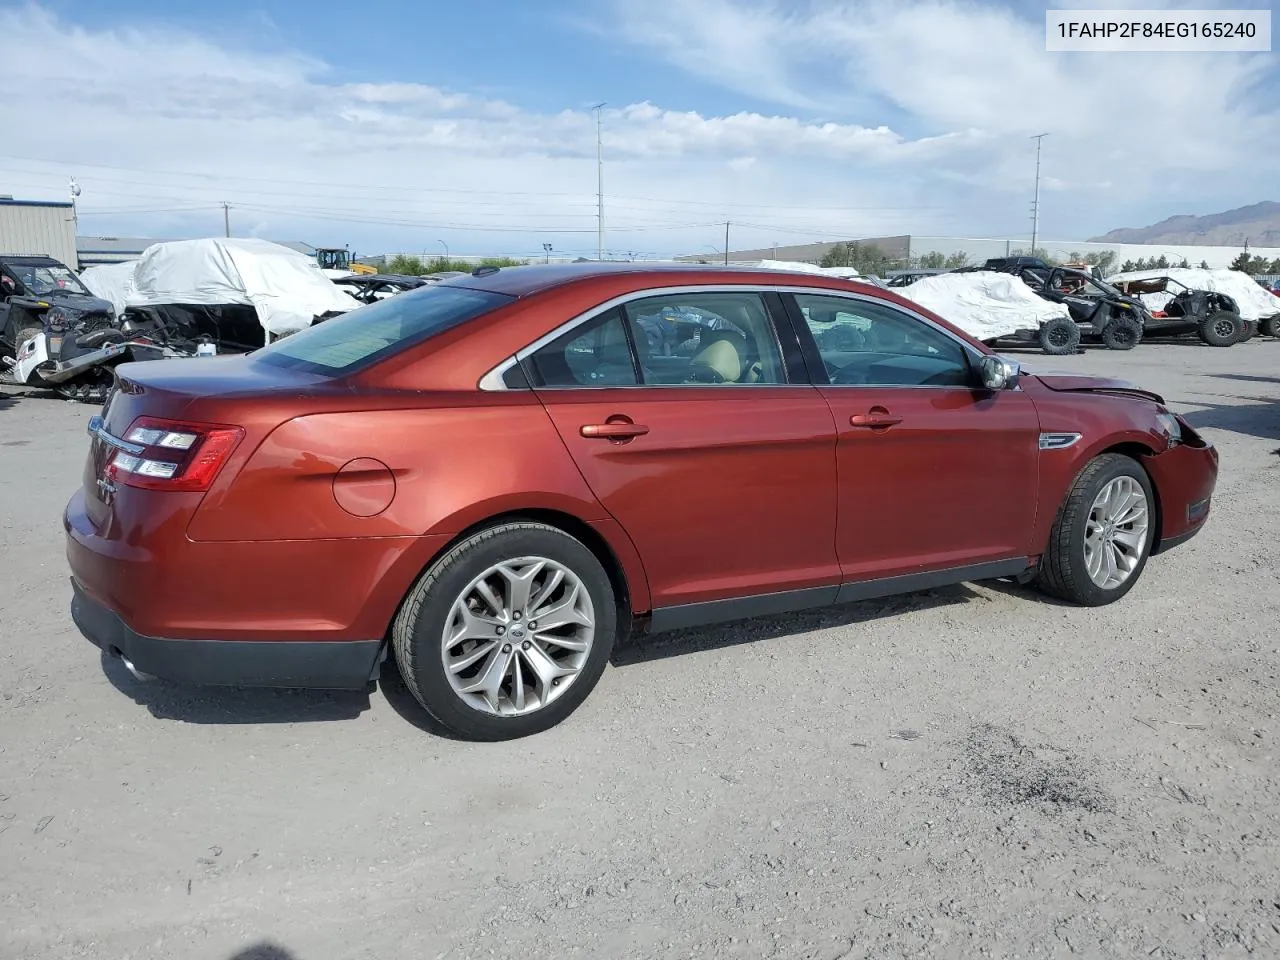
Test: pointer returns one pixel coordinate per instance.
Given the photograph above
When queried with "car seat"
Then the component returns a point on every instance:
(724, 357)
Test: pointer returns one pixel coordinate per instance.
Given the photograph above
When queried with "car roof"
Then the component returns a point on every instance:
(534, 278)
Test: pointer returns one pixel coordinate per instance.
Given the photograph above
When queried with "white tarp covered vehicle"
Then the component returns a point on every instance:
(984, 304)
(287, 289)
(110, 281)
(1253, 302)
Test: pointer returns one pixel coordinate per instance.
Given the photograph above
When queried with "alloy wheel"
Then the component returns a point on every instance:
(518, 636)
(1116, 532)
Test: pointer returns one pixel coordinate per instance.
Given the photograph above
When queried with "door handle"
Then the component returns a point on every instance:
(877, 419)
(617, 431)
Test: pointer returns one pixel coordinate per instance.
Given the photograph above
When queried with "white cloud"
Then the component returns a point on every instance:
(1150, 125)
(912, 117)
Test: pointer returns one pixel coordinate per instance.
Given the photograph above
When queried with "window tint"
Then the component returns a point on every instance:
(705, 338)
(369, 333)
(596, 354)
(871, 344)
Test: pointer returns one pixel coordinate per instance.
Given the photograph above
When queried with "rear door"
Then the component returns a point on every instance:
(935, 472)
(684, 412)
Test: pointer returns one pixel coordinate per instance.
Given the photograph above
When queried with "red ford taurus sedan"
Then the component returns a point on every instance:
(495, 477)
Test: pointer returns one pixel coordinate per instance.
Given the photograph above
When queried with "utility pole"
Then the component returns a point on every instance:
(1035, 204)
(726, 243)
(226, 219)
(599, 185)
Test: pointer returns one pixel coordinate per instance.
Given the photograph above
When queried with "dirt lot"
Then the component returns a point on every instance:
(970, 771)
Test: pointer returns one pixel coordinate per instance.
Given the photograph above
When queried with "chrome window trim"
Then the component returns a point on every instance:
(492, 380)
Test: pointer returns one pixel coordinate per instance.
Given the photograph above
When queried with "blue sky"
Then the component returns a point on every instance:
(418, 125)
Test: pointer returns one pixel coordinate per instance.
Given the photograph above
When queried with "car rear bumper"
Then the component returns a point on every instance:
(327, 665)
(1184, 477)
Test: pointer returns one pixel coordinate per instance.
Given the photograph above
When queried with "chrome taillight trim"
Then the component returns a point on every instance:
(97, 429)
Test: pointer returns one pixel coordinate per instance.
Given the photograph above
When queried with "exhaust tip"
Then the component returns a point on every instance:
(128, 665)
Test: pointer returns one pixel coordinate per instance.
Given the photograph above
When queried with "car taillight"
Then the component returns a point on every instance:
(172, 454)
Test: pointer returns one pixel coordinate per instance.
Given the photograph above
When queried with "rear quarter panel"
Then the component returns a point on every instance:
(457, 460)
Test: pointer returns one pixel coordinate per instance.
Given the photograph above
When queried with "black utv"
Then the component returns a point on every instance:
(1098, 311)
(1213, 317)
(32, 289)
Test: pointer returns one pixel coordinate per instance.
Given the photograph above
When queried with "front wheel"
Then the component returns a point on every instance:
(1102, 536)
(506, 634)
(1122, 333)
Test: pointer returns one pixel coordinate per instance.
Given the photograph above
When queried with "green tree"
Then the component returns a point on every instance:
(837, 256)
(1163, 262)
(1204, 264)
(1101, 259)
(1127, 266)
(1184, 265)
(1241, 262)
(405, 266)
(957, 260)
(933, 260)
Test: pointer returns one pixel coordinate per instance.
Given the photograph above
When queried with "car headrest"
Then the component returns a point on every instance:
(724, 355)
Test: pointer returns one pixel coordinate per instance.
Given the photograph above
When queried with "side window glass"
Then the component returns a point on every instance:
(596, 354)
(705, 338)
(871, 344)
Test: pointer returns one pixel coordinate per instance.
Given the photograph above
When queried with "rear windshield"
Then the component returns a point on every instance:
(370, 333)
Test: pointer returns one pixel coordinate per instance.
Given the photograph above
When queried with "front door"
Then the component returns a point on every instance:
(682, 416)
(935, 473)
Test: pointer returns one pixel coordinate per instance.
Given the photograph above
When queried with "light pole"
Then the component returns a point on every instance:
(1035, 204)
(599, 184)
(446, 248)
(546, 250)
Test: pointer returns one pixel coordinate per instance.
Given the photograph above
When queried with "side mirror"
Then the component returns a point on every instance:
(999, 373)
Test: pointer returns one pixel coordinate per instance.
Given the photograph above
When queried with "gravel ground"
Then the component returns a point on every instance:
(971, 771)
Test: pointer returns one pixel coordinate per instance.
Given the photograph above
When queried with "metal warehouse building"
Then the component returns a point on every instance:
(39, 227)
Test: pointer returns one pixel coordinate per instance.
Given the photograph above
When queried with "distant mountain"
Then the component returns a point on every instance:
(1260, 223)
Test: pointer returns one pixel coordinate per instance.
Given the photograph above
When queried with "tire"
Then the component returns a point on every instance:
(1060, 337)
(1270, 326)
(1122, 333)
(417, 636)
(1220, 329)
(1064, 571)
(1248, 330)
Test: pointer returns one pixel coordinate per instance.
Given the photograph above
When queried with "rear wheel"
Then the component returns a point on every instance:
(1248, 330)
(506, 634)
(1269, 326)
(1122, 333)
(1101, 538)
(1220, 329)
(1060, 336)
